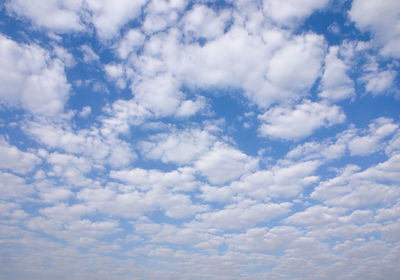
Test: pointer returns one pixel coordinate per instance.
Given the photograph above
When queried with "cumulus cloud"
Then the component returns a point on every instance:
(31, 79)
(336, 84)
(180, 167)
(243, 215)
(181, 147)
(291, 12)
(353, 188)
(300, 121)
(223, 164)
(67, 16)
(378, 130)
(61, 16)
(381, 19)
(16, 160)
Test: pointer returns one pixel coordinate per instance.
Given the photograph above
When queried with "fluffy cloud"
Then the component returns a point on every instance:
(379, 82)
(368, 15)
(244, 214)
(291, 11)
(182, 168)
(101, 147)
(180, 147)
(16, 160)
(223, 164)
(14, 187)
(335, 84)
(370, 143)
(264, 240)
(31, 79)
(353, 188)
(67, 16)
(301, 121)
(108, 16)
(61, 16)
(286, 180)
(203, 22)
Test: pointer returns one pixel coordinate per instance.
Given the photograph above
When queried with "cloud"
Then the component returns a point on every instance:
(223, 164)
(161, 14)
(243, 215)
(132, 40)
(378, 130)
(16, 160)
(336, 84)
(88, 54)
(64, 16)
(14, 187)
(315, 215)
(180, 167)
(108, 16)
(181, 147)
(303, 120)
(57, 15)
(291, 12)
(379, 82)
(381, 20)
(263, 240)
(281, 180)
(203, 22)
(31, 79)
(99, 146)
(352, 188)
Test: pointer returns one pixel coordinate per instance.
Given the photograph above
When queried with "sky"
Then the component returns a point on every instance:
(177, 139)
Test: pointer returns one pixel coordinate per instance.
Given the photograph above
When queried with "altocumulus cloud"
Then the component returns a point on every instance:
(177, 139)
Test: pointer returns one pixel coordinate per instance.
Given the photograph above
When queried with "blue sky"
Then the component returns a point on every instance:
(173, 139)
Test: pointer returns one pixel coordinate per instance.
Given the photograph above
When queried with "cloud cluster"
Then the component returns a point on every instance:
(173, 139)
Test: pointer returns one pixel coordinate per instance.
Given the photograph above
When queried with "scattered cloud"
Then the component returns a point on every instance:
(174, 139)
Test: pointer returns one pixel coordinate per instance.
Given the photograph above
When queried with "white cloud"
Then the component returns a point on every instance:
(244, 214)
(31, 79)
(16, 160)
(378, 130)
(223, 164)
(108, 16)
(315, 215)
(70, 167)
(85, 111)
(263, 240)
(286, 69)
(12, 186)
(353, 188)
(291, 11)
(380, 82)
(181, 179)
(207, 198)
(279, 181)
(318, 150)
(162, 13)
(300, 122)
(335, 84)
(160, 95)
(203, 22)
(100, 146)
(57, 15)
(55, 194)
(132, 40)
(180, 147)
(381, 18)
(88, 54)
(216, 194)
